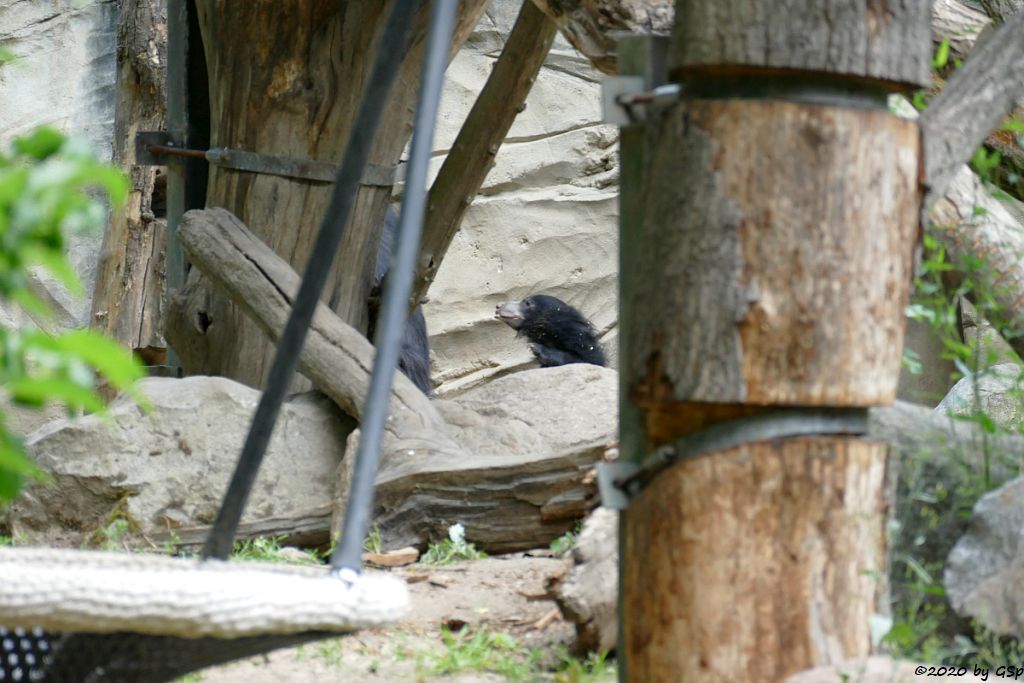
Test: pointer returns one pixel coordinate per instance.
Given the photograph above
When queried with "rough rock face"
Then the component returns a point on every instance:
(169, 468)
(999, 389)
(546, 218)
(64, 77)
(984, 575)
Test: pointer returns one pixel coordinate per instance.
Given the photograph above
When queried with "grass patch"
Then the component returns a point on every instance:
(480, 650)
(269, 549)
(452, 549)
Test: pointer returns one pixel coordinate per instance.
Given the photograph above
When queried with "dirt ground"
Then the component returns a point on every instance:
(500, 596)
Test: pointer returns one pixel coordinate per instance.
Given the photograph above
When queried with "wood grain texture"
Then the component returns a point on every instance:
(768, 558)
(128, 297)
(292, 87)
(593, 26)
(778, 239)
(887, 42)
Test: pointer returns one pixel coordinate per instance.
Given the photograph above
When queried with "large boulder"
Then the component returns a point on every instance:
(166, 471)
(996, 391)
(70, 48)
(984, 575)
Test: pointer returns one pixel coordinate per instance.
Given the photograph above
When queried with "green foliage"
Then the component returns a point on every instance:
(941, 57)
(269, 549)
(482, 650)
(452, 549)
(48, 186)
(591, 669)
(939, 485)
(566, 541)
(374, 543)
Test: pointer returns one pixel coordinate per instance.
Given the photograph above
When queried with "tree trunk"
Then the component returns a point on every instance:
(291, 87)
(772, 235)
(128, 297)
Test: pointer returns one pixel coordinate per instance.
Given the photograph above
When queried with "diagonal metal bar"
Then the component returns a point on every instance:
(347, 559)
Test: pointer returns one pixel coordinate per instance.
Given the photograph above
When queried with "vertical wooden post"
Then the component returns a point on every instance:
(768, 224)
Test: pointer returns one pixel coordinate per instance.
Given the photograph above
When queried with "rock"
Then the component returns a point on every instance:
(519, 477)
(992, 348)
(984, 575)
(167, 471)
(1000, 390)
(70, 47)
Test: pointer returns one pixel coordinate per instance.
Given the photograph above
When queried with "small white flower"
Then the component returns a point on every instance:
(457, 533)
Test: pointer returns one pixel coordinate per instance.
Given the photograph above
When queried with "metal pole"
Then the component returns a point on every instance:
(347, 560)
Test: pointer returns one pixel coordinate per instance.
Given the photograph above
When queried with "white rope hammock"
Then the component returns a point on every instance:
(101, 592)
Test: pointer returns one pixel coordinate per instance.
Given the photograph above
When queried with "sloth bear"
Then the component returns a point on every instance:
(558, 333)
(414, 357)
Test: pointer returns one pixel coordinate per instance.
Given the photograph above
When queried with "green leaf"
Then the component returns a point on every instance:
(941, 54)
(112, 361)
(32, 304)
(40, 143)
(1013, 126)
(36, 390)
(6, 55)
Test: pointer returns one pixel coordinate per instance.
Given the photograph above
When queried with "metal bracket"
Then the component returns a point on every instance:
(624, 102)
(609, 474)
(153, 148)
(619, 482)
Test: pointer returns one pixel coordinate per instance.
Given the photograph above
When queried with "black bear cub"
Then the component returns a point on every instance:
(558, 333)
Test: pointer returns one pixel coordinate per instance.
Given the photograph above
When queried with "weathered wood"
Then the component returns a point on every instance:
(292, 88)
(765, 278)
(507, 495)
(879, 41)
(127, 299)
(472, 154)
(593, 26)
(959, 24)
(335, 356)
(976, 98)
(774, 552)
(758, 276)
(1000, 10)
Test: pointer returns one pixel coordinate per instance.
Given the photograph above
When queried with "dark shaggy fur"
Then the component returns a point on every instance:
(558, 333)
(414, 358)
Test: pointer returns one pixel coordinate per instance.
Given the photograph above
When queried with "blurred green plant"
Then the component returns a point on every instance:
(51, 185)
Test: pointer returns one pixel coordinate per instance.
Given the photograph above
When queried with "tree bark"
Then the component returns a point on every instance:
(592, 25)
(761, 277)
(884, 43)
(128, 298)
(291, 88)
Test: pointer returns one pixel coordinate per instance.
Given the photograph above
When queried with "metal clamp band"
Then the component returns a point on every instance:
(620, 481)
